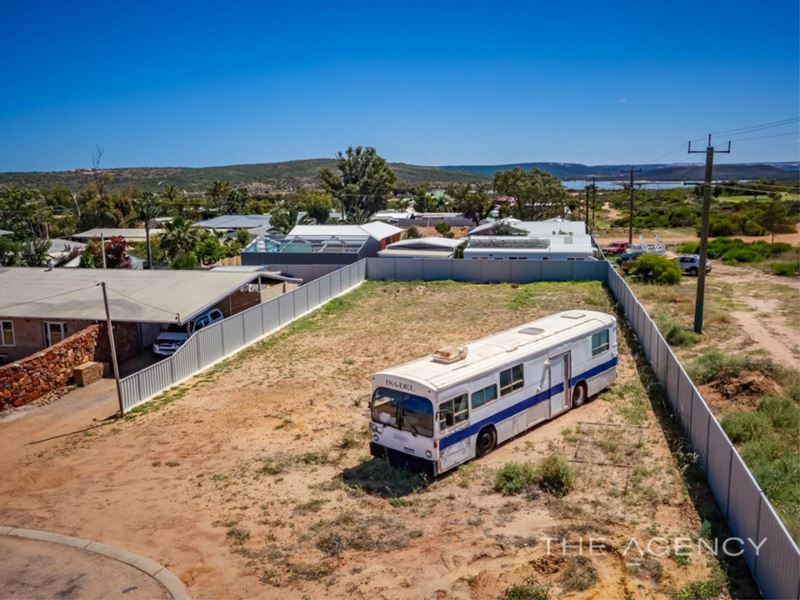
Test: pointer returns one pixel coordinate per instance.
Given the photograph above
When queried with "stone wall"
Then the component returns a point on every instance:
(32, 377)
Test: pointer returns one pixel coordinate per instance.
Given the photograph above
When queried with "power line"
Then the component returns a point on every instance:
(763, 137)
(31, 300)
(759, 127)
(176, 315)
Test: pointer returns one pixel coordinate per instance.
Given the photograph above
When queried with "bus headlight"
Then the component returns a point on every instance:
(428, 454)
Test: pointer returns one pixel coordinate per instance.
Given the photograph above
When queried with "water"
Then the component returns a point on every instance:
(579, 184)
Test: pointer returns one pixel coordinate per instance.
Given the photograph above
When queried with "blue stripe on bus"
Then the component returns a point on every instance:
(522, 405)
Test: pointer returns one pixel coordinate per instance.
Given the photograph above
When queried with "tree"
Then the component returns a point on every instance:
(236, 201)
(179, 237)
(218, 192)
(316, 204)
(474, 202)
(286, 217)
(9, 251)
(363, 184)
(538, 195)
(23, 211)
(423, 201)
(147, 207)
(116, 251)
(776, 217)
(33, 252)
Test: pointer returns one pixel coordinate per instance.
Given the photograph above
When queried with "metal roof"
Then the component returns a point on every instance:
(235, 222)
(130, 233)
(138, 296)
(491, 353)
(375, 229)
(535, 228)
(428, 243)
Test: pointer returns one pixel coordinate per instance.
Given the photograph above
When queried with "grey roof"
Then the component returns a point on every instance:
(235, 222)
(129, 233)
(138, 296)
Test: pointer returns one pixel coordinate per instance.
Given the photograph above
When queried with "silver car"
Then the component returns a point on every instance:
(690, 264)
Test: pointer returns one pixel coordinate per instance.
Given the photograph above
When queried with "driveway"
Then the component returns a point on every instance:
(34, 427)
(37, 569)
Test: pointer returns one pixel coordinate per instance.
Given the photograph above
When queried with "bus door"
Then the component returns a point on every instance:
(560, 399)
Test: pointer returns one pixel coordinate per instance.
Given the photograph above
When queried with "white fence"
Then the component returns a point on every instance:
(230, 335)
(776, 567)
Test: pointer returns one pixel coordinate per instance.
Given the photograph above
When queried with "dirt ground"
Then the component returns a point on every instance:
(254, 480)
(676, 236)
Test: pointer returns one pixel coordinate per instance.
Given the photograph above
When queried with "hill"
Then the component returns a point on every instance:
(276, 176)
(651, 172)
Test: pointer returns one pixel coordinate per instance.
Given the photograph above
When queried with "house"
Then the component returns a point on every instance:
(40, 308)
(552, 239)
(131, 234)
(64, 251)
(273, 283)
(321, 245)
(423, 247)
(254, 224)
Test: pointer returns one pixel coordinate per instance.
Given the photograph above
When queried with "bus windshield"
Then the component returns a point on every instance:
(402, 410)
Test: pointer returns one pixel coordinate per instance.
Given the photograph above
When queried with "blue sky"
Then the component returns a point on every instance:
(201, 83)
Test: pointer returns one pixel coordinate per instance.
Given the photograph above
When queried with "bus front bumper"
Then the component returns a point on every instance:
(403, 460)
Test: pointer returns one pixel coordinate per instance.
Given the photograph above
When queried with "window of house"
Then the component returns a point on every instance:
(54, 332)
(511, 380)
(453, 411)
(483, 396)
(600, 342)
(7, 333)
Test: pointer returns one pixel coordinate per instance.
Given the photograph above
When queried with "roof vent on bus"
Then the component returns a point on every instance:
(450, 354)
(572, 315)
(532, 330)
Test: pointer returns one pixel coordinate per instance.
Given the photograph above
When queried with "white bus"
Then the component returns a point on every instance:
(437, 412)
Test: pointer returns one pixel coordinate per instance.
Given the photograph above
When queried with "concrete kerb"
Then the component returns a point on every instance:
(168, 580)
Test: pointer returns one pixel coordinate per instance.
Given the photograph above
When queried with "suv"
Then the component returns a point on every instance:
(690, 264)
(627, 260)
(616, 248)
(174, 336)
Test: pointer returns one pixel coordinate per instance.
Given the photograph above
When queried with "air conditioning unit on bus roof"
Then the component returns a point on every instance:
(450, 354)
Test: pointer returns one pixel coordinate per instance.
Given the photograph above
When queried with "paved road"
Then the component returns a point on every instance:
(36, 569)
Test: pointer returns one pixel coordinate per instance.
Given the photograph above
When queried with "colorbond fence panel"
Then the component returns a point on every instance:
(230, 335)
(743, 507)
(777, 565)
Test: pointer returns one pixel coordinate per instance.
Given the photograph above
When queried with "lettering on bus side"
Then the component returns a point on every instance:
(399, 385)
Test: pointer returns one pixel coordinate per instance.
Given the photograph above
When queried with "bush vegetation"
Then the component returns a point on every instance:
(553, 475)
(736, 250)
(653, 268)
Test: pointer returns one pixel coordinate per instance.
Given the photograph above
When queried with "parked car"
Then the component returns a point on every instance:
(616, 248)
(174, 336)
(627, 260)
(690, 264)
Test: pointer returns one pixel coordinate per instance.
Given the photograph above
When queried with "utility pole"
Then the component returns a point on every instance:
(587, 209)
(630, 207)
(103, 248)
(113, 349)
(594, 202)
(701, 272)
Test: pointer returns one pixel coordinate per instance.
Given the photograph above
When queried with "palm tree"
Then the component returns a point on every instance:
(284, 219)
(179, 237)
(147, 208)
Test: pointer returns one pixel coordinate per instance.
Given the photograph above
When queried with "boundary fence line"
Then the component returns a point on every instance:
(748, 512)
(750, 516)
(224, 338)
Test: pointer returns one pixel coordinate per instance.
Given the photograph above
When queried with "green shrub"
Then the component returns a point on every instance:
(675, 333)
(513, 478)
(555, 475)
(443, 229)
(653, 268)
(782, 412)
(688, 248)
(527, 592)
(579, 576)
(746, 426)
(714, 365)
(786, 269)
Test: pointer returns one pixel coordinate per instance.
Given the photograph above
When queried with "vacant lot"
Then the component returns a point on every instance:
(254, 480)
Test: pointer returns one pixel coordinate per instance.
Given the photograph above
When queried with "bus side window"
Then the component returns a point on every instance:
(484, 396)
(453, 411)
(600, 342)
(511, 379)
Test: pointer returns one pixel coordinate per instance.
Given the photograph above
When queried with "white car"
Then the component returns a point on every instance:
(174, 336)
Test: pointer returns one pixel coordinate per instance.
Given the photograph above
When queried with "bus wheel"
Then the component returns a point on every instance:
(579, 395)
(487, 439)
